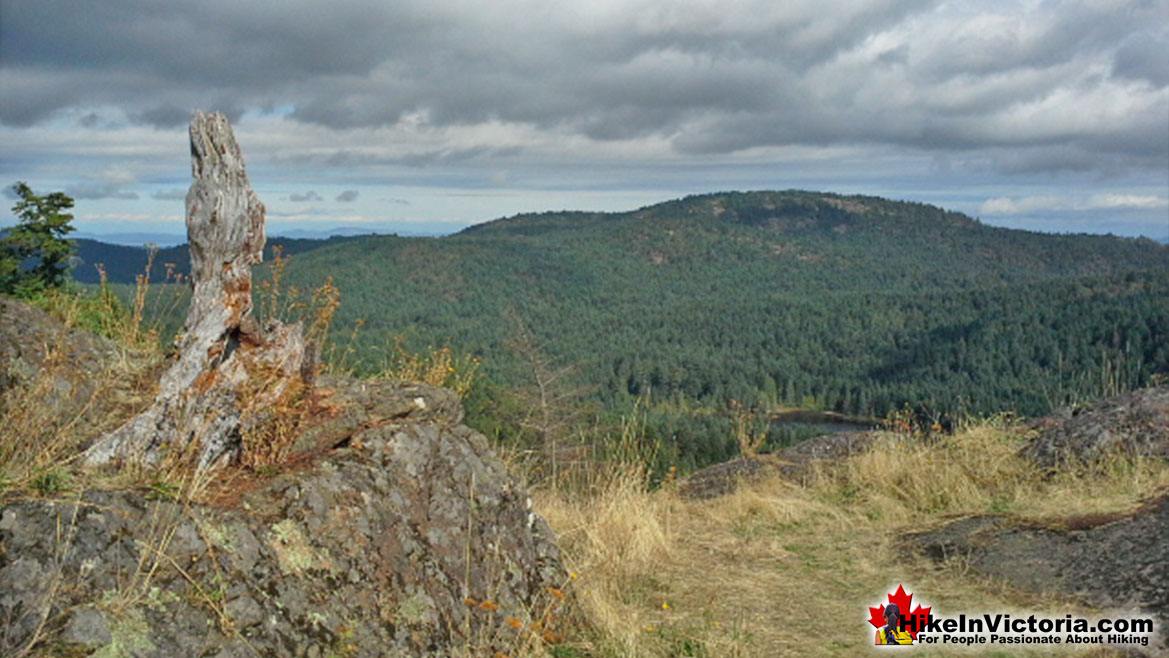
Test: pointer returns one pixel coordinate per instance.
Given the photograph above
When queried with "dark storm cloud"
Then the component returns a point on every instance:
(449, 156)
(163, 116)
(347, 196)
(709, 77)
(346, 158)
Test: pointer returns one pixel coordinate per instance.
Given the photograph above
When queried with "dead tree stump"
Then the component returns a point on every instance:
(231, 377)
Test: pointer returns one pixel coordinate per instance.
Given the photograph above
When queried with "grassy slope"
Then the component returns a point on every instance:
(782, 568)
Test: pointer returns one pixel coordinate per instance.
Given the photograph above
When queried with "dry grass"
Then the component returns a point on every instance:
(782, 569)
(41, 435)
(436, 366)
(904, 479)
(612, 542)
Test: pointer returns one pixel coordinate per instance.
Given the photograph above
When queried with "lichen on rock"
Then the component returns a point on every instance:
(391, 538)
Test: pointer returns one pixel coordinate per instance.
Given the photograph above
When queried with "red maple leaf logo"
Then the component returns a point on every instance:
(903, 601)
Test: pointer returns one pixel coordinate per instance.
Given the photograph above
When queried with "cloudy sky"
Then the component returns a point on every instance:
(429, 115)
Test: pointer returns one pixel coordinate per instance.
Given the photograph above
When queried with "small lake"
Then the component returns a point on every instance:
(790, 427)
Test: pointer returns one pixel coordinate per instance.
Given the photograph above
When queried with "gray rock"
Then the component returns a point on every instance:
(722, 479)
(28, 336)
(358, 404)
(1119, 561)
(793, 462)
(244, 612)
(87, 627)
(234, 650)
(375, 554)
(1133, 424)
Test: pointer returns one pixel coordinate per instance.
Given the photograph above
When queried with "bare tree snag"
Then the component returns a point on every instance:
(230, 375)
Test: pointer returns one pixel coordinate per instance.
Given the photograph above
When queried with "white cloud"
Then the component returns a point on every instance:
(1129, 201)
(1008, 206)
(1054, 204)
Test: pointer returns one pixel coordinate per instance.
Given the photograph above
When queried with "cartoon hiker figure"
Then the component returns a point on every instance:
(890, 633)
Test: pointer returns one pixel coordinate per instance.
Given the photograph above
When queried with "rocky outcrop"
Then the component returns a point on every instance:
(725, 477)
(795, 463)
(33, 344)
(1133, 424)
(1121, 561)
(408, 540)
(1116, 560)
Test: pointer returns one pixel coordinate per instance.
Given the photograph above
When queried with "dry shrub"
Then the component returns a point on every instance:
(273, 406)
(433, 366)
(274, 401)
(751, 427)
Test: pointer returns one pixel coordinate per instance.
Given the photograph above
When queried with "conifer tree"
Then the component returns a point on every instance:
(40, 235)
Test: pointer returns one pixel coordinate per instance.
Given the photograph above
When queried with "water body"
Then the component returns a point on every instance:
(790, 427)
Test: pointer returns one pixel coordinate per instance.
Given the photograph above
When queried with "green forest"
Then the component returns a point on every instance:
(776, 300)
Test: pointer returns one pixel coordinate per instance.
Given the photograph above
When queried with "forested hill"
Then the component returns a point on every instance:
(856, 304)
(806, 233)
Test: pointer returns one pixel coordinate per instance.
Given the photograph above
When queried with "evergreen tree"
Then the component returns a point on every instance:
(40, 236)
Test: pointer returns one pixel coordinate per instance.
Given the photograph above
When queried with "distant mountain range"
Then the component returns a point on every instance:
(133, 239)
(176, 239)
(123, 264)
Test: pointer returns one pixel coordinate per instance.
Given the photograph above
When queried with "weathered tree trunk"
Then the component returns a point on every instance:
(230, 376)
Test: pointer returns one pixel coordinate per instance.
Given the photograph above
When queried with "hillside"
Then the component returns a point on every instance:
(123, 264)
(855, 304)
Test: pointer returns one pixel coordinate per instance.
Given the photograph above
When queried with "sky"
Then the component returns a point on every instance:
(425, 116)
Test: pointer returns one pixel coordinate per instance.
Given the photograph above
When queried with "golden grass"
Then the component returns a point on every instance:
(612, 542)
(436, 366)
(780, 569)
(904, 479)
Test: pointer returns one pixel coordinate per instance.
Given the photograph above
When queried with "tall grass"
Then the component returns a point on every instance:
(777, 564)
